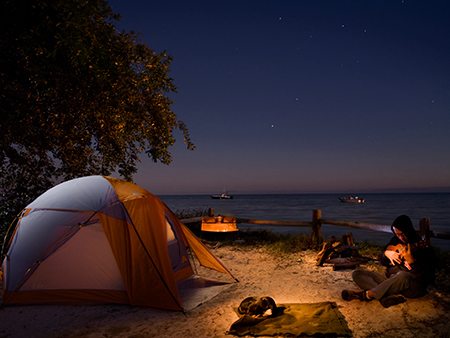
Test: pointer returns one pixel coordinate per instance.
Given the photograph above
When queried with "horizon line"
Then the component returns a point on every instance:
(383, 191)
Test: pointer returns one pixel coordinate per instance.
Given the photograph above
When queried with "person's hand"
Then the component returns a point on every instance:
(407, 254)
(393, 256)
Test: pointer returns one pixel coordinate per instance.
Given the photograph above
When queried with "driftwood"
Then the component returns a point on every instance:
(347, 263)
(342, 255)
(326, 251)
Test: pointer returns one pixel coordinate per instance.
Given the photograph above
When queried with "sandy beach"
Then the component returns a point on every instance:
(293, 278)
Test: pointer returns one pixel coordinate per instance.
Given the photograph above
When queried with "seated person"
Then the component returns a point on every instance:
(410, 268)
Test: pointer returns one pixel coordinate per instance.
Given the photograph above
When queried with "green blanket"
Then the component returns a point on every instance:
(315, 319)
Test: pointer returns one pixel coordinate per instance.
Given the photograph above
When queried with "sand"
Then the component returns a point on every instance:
(292, 278)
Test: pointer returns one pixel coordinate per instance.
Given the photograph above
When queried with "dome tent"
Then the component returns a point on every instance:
(100, 239)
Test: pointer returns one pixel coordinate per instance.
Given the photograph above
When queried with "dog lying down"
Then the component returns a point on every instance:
(258, 307)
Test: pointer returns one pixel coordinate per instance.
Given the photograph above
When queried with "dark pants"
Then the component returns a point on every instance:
(400, 283)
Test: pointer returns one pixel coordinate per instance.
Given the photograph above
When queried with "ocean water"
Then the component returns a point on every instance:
(377, 209)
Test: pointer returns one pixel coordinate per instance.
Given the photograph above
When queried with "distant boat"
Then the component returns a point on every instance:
(222, 196)
(351, 199)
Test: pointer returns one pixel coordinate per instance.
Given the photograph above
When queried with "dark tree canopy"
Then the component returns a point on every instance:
(77, 97)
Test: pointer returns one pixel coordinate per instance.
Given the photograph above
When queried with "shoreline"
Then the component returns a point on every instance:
(291, 278)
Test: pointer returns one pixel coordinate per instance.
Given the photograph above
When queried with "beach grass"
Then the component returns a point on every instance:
(289, 244)
(276, 243)
(281, 244)
(191, 213)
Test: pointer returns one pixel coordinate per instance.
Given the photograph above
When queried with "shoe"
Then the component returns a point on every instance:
(392, 300)
(350, 295)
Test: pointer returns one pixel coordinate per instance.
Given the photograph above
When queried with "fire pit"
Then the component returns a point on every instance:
(219, 228)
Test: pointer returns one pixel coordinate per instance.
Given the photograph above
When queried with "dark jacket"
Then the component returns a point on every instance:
(423, 268)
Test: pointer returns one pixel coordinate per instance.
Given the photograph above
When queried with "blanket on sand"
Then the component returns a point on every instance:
(314, 319)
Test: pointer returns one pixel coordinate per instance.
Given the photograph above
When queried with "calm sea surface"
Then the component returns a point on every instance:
(377, 209)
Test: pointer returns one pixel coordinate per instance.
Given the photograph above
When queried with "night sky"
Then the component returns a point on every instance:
(302, 96)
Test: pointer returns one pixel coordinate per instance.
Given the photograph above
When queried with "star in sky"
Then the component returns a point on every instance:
(234, 67)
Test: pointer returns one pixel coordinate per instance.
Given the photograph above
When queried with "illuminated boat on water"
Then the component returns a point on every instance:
(222, 196)
(351, 199)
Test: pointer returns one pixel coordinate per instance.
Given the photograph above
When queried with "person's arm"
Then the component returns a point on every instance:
(393, 256)
(408, 257)
(389, 257)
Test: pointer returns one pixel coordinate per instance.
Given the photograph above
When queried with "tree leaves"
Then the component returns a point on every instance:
(77, 97)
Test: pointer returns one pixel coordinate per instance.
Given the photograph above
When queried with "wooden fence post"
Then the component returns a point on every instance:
(424, 230)
(316, 233)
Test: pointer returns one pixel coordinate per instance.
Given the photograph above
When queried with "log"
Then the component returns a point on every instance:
(346, 263)
(327, 249)
(267, 222)
(348, 239)
(358, 225)
(345, 266)
(348, 260)
(316, 233)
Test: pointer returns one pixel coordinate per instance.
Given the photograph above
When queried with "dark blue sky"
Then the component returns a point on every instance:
(302, 96)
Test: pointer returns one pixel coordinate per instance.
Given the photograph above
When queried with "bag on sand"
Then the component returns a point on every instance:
(262, 306)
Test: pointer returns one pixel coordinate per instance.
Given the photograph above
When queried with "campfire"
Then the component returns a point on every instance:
(219, 227)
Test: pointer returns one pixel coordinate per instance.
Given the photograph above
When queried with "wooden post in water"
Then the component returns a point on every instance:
(316, 233)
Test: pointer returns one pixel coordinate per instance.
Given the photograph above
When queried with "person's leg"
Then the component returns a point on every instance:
(367, 280)
(392, 291)
(400, 283)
